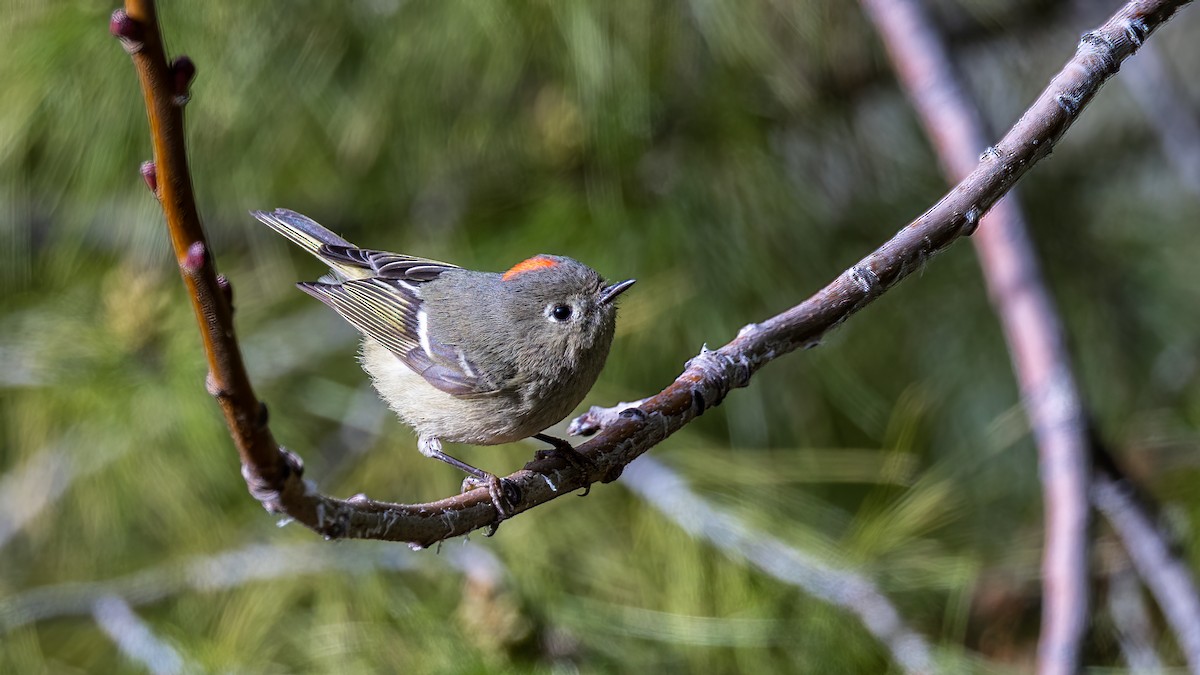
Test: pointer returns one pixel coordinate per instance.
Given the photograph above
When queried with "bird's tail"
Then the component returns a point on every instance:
(309, 235)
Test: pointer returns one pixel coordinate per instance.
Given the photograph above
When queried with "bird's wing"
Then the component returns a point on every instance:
(385, 264)
(346, 260)
(311, 236)
(377, 292)
(390, 312)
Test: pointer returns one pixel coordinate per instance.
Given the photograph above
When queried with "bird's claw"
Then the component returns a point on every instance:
(565, 451)
(504, 493)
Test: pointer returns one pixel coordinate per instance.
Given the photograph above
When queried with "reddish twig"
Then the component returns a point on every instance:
(1030, 321)
(165, 88)
(273, 473)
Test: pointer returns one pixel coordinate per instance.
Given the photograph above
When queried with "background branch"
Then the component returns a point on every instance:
(25, 492)
(1037, 346)
(656, 483)
(1034, 334)
(236, 568)
(136, 640)
(273, 474)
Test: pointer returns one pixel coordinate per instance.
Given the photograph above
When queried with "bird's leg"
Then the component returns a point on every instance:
(504, 494)
(567, 452)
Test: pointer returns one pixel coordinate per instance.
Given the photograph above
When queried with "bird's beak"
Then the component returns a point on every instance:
(610, 293)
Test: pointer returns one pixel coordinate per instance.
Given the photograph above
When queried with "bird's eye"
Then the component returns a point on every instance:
(560, 313)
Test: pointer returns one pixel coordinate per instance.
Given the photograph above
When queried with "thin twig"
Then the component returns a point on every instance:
(841, 587)
(273, 473)
(1155, 86)
(598, 417)
(1034, 333)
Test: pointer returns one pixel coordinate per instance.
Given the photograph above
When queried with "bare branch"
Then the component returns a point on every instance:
(165, 87)
(1032, 329)
(1029, 319)
(273, 473)
(239, 567)
(841, 587)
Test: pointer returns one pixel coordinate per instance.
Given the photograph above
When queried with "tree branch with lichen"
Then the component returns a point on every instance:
(274, 475)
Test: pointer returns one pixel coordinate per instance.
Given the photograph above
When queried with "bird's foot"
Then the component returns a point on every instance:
(504, 493)
(568, 453)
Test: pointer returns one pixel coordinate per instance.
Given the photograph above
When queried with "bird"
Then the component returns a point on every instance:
(462, 356)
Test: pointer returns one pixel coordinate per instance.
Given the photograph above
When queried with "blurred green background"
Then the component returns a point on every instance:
(733, 156)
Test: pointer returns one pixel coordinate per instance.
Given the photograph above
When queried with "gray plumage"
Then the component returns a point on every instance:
(463, 356)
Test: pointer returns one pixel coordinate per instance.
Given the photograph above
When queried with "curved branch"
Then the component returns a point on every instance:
(273, 473)
(165, 89)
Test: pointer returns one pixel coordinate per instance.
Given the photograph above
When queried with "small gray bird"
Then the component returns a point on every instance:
(463, 356)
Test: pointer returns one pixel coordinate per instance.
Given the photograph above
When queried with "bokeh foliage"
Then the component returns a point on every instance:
(731, 155)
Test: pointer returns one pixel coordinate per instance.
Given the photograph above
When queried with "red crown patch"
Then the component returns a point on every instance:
(535, 263)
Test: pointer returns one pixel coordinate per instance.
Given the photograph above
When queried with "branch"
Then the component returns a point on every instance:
(1037, 345)
(135, 639)
(236, 568)
(165, 89)
(273, 473)
(666, 491)
(1035, 337)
